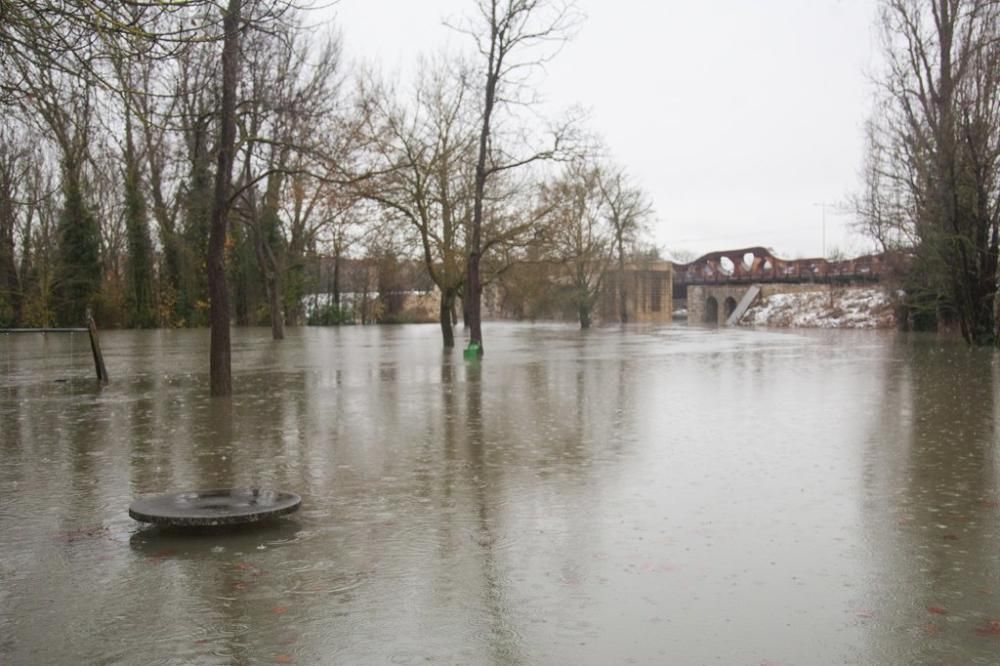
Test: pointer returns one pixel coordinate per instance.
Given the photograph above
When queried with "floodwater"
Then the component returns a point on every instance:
(666, 495)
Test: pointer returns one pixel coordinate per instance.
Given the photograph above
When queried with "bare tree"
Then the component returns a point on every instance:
(579, 237)
(626, 207)
(135, 269)
(72, 38)
(197, 88)
(15, 164)
(220, 364)
(512, 37)
(883, 209)
(29, 210)
(426, 155)
(155, 107)
(220, 352)
(941, 114)
(288, 99)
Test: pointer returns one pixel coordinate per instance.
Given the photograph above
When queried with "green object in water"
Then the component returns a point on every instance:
(472, 351)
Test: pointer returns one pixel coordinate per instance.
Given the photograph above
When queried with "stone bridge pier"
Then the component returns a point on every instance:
(713, 304)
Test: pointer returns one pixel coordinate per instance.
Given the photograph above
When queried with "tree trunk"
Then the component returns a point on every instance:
(622, 292)
(269, 268)
(446, 313)
(9, 279)
(336, 281)
(584, 310)
(473, 281)
(474, 302)
(220, 363)
(274, 297)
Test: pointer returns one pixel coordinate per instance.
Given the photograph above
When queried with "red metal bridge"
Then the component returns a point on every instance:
(757, 264)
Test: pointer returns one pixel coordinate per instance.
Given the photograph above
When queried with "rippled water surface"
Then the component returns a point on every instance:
(651, 495)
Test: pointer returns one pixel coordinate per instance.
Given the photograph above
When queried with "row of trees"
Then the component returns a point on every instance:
(932, 174)
(183, 164)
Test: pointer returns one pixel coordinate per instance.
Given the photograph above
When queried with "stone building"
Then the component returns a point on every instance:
(648, 293)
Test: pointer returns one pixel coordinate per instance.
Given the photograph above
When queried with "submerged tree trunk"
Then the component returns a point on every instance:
(336, 281)
(220, 364)
(271, 271)
(274, 298)
(622, 291)
(584, 310)
(473, 312)
(447, 313)
(272, 286)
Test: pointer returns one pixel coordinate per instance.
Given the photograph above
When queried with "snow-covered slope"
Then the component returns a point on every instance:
(839, 308)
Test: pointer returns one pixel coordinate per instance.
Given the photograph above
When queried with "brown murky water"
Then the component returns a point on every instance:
(655, 496)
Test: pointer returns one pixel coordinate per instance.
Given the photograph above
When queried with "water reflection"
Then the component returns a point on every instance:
(932, 490)
(501, 636)
(229, 601)
(648, 494)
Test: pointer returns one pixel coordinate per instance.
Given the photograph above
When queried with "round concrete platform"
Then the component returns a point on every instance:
(223, 506)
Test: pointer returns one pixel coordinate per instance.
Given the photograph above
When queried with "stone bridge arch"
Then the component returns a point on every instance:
(711, 311)
(712, 304)
(728, 307)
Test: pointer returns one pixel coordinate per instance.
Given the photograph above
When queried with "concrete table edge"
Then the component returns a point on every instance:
(163, 510)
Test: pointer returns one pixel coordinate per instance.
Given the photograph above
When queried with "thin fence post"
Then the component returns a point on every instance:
(95, 347)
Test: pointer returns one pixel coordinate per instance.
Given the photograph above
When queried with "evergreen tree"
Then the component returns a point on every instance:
(192, 301)
(78, 276)
(139, 261)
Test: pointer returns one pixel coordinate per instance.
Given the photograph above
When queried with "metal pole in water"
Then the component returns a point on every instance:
(95, 347)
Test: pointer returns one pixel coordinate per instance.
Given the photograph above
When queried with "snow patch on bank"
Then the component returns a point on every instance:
(839, 308)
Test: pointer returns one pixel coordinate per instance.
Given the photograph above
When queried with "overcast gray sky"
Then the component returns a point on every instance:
(739, 117)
